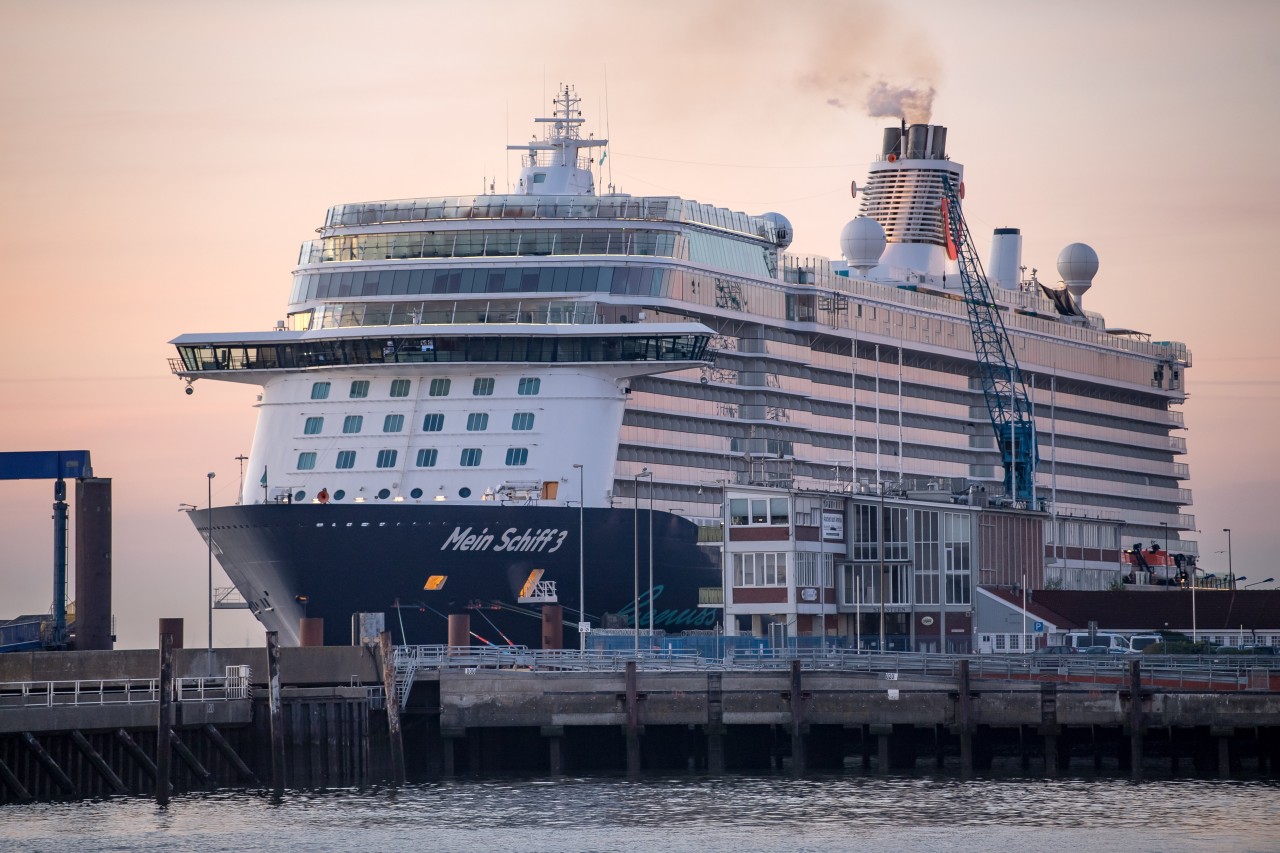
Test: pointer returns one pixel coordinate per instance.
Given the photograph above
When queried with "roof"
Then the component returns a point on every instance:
(1215, 610)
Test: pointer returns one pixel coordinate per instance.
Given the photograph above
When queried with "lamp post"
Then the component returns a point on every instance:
(582, 598)
(635, 535)
(1231, 575)
(650, 561)
(1255, 583)
(1164, 525)
(209, 539)
(880, 594)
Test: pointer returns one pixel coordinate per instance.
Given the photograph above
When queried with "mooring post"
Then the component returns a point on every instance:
(965, 712)
(715, 723)
(276, 711)
(633, 721)
(1135, 719)
(388, 662)
(164, 718)
(797, 721)
(555, 751)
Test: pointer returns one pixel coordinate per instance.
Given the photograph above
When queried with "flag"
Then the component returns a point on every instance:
(603, 155)
(263, 481)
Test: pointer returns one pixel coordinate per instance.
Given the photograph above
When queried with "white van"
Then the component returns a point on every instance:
(1102, 642)
(1139, 643)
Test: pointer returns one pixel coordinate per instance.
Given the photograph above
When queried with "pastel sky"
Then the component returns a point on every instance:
(161, 162)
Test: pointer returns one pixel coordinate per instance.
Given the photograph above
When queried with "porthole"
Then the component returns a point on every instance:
(339, 495)
(299, 496)
(383, 494)
(415, 494)
(464, 492)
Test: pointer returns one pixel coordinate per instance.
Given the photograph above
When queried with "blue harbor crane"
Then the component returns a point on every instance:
(1002, 387)
(57, 465)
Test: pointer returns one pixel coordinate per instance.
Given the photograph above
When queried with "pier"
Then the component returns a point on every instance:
(90, 724)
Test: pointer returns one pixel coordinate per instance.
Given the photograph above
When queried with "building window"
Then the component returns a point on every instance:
(306, 461)
(483, 386)
(433, 423)
(393, 423)
(529, 386)
(313, 426)
(400, 387)
(359, 388)
(427, 457)
(768, 569)
(470, 457)
(387, 458)
(352, 423)
(522, 421)
(319, 390)
(807, 563)
(517, 455)
(758, 511)
(956, 557)
(439, 387)
(346, 459)
(477, 422)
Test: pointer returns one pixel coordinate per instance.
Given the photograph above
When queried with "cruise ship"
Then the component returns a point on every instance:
(487, 404)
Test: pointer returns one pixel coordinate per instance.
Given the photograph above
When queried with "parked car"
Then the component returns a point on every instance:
(1054, 651)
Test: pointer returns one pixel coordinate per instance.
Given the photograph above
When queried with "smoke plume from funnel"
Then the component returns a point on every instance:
(914, 103)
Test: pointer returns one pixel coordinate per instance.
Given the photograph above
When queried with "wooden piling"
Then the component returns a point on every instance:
(275, 711)
(164, 718)
(386, 658)
(798, 758)
(1135, 719)
(633, 721)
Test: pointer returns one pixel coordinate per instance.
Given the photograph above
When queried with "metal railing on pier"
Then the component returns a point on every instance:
(236, 684)
(1158, 671)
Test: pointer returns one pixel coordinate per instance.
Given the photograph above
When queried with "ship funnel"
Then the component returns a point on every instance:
(1005, 267)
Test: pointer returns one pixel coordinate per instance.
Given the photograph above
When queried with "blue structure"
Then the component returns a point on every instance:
(52, 465)
(1002, 386)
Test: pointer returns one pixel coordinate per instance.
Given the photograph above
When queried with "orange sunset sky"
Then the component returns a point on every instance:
(161, 162)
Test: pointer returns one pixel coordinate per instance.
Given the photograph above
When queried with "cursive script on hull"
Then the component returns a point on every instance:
(510, 540)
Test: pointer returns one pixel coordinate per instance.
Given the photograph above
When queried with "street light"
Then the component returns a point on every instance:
(1231, 576)
(209, 539)
(1255, 583)
(582, 597)
(881, 552)
(635, 535)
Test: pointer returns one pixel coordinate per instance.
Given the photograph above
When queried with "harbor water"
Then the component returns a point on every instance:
(682, 814)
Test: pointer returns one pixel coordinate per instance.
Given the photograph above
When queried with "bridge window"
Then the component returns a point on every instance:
(352, 423)
(306, 461)
(439, 387)
(483, 386)
(346, 459)
(427, 457)
(360, 388)
(470, 457)
(529, 385)
(477, 422)
(387, 458)
(313, 426)
(393, 423)
(433, 423)
(319, 390)
(400, 387)
(522, 421)
(517, 455)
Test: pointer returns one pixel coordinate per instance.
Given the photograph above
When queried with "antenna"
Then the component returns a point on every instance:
(607, 134)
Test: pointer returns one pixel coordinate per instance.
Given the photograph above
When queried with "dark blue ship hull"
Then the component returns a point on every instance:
(330, 561)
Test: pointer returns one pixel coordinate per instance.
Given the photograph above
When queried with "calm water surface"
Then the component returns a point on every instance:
(682, 815)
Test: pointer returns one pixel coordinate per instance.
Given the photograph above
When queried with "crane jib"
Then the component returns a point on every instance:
(1003, 389)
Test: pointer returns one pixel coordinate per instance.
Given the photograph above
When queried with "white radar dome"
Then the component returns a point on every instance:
(1078, 263)
(782, 229)
(862, 242)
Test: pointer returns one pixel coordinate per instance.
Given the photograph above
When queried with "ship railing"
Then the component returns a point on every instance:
(235, 685)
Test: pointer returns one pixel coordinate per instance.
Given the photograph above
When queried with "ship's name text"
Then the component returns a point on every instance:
(510, 539)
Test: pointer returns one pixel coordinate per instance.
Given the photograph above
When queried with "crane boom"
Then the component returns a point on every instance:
(1002, 387)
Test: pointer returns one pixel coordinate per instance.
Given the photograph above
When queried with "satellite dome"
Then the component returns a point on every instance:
(782, 229)
(1078, 263)
(862, 242)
